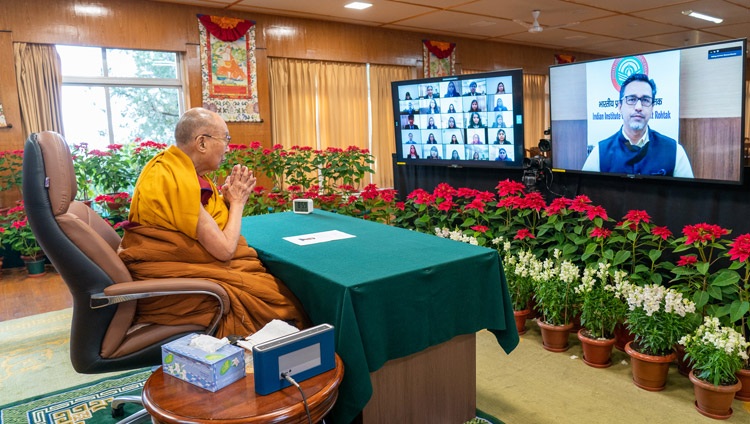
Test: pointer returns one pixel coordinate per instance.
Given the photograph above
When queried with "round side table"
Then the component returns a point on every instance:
(171, 400)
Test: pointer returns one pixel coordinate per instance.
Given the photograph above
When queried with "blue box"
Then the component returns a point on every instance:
(210, 371)
(301, 355)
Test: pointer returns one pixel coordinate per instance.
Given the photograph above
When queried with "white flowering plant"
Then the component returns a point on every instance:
(716, 353)
(554, 286)
(657, 316)
(456, 235)
(601, 308)
(518, 268)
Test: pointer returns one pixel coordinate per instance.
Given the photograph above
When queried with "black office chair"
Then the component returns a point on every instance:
(83, 249)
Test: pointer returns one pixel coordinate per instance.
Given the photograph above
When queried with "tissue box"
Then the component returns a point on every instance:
(210, 371)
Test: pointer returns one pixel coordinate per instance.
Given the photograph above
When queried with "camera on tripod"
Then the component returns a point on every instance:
(535, 166)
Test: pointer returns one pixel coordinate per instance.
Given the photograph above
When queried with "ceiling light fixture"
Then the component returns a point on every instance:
(358, 5)
(702, 16)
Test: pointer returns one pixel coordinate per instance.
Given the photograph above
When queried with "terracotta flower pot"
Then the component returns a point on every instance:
(521, 317)
(683, 364)
(622, 336)
(597, 353)
(744, 393)
(713, 401)
(576, 321)
(533, 313)
(555, 337)
(649, 371)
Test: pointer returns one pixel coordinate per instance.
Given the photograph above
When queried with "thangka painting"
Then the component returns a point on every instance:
(439, 58)
(228, 68)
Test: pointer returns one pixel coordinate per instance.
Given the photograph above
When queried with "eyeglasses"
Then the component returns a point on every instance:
(226, 140)
(646, 101)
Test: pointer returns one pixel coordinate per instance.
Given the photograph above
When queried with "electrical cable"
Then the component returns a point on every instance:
(289, 378)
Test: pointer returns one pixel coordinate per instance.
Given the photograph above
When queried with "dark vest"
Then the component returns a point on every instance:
(657, 157)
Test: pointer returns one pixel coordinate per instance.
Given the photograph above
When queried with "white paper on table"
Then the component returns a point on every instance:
(321, 237)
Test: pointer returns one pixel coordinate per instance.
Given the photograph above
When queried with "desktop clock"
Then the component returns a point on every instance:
(303, 206)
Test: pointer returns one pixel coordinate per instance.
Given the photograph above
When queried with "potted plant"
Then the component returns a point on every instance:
(116, 205)
(111, 171)
(699, 273)
(739, 254)
(658, 317)
(144, 151)
(601, 311)
(518, 268)
(84, 166)
(639, 245)
(554, 291)
(19, 237)
(716, 353)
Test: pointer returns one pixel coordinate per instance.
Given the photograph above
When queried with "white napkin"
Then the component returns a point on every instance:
(274, 329)
(208, 343)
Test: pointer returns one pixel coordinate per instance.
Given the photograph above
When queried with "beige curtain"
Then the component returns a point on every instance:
(342, 100)
(325, 104)
(293, 89)
(535, 109)
(318, 104)
(383, 135)
(39, 79)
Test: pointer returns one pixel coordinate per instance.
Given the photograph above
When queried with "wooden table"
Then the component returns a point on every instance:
(171, 400)
(406, 307)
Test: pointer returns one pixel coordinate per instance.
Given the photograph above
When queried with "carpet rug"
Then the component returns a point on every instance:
(38, 384)
(90, 404)
(85, 404)
(35, 357)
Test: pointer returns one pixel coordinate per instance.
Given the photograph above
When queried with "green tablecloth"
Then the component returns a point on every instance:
(388, 292)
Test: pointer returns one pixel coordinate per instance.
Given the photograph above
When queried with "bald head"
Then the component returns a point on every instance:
(195, 122)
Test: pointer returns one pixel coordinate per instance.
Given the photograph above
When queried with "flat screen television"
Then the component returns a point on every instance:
(463, 120)
(691, 130)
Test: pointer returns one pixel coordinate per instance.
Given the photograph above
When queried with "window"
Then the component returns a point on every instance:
(113, 96)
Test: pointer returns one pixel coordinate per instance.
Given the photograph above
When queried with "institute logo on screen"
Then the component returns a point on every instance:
(624, 67)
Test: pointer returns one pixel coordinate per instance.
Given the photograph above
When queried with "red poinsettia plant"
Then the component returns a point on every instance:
(575, 227)
(518, 215)
(17, 234)
(700, 272)
(117, 205)
(445, 207)
(10, 169)
(637, 246)
(739, 308)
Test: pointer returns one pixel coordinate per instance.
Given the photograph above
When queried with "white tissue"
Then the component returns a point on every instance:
(274, 329)
(208, 343)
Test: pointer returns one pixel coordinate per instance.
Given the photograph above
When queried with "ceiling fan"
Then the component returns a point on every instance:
(536, 27)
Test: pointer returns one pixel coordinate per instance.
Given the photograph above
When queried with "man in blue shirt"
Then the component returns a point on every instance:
(637, 149)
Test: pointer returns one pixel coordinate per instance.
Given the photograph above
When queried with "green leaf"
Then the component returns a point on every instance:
(682, 248)
(700, 299)
(714, 292)
(725, 278)
(620, 257)
(738, 309)
(654, 255)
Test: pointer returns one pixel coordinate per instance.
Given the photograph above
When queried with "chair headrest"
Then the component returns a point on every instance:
(59, 170)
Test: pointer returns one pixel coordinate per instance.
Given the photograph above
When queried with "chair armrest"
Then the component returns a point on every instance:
(134, 290)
